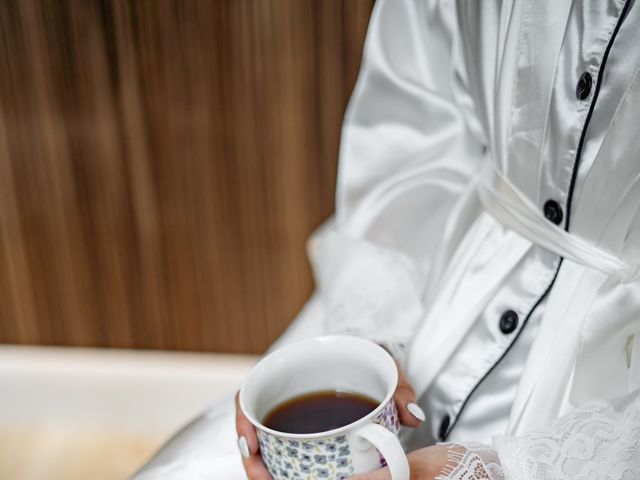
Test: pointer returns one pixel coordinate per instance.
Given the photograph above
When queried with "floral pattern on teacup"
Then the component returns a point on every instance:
(328, 457)
(389, 419)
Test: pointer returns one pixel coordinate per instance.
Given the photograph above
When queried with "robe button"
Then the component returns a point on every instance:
(508, 322)
(583, 88)
(553, 212)
(444, 427)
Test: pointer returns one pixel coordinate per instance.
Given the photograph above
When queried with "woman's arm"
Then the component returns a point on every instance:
(406, 156)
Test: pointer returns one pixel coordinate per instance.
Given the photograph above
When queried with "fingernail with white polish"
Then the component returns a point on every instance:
(244, 447)
(416, 411)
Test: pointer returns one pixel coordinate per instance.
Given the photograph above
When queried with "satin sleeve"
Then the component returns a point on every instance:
(406, 156)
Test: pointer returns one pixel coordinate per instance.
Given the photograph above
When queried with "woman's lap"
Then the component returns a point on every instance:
(204, 449)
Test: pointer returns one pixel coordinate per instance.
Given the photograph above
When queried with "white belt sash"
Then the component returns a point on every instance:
(584, 347)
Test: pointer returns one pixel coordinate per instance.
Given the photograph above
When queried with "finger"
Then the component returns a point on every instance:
(411, 415)
(380, 474)
(248, 446)
(255, 468)
(245, 429)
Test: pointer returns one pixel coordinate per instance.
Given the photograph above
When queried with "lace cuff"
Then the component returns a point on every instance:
(367, 290)
(471, 462)
(598, 441)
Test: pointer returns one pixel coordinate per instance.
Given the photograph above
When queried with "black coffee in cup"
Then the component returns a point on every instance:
(319, 412)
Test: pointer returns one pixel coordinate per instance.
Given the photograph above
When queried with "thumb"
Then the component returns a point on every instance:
(411, 415)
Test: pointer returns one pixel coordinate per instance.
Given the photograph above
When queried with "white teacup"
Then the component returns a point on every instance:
(334, 363)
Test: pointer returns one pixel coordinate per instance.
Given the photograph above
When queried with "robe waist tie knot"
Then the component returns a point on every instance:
(511, 208)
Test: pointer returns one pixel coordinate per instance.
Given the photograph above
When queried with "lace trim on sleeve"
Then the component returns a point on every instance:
(471, 462)
(367, 290)
(598, 441)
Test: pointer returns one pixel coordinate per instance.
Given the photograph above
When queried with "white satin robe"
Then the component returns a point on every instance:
(463, 125)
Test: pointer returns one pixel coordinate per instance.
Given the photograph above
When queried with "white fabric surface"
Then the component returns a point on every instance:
(407, 258)
(476, 387)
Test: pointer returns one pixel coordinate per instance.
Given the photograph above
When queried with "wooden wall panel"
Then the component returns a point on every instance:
(162, 163)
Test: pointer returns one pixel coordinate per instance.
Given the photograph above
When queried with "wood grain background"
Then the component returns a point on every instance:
(162, 163)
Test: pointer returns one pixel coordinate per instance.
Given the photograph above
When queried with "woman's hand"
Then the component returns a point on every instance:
(248, 445)
(411, 415)
(425, 464)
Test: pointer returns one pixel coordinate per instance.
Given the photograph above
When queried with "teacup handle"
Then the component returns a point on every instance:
(389, 446)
